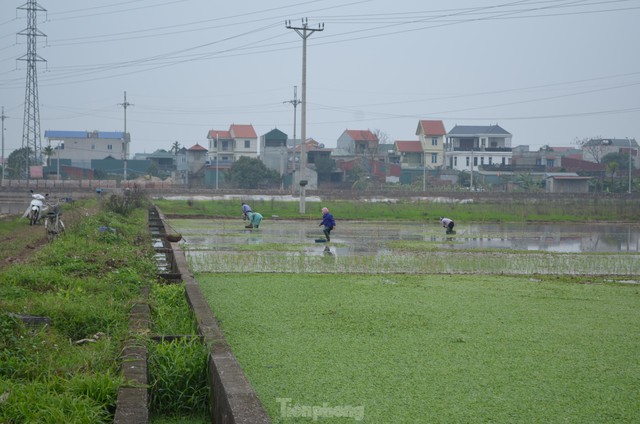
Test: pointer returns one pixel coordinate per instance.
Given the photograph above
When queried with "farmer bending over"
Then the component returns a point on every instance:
(448, 224)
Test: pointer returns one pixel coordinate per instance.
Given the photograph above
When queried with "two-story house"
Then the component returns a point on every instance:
(410, 153)
(358, 142)
(432, 136)
(274, 152)
(470, 147)
(81, 147)
(597, 148)
(229, 146)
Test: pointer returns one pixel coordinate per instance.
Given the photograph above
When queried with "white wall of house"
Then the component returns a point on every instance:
(246, 147)
(346, 142)
(461, 161)
(82, 150)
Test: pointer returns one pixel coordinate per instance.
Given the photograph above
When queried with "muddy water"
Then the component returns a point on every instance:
(372, 238)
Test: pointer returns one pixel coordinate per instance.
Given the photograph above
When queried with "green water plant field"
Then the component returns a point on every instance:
(400, 348)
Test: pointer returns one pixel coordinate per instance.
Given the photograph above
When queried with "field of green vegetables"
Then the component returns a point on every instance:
(423, 332)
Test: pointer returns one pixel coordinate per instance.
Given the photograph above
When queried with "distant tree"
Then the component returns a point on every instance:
(325, 165)
(153, 169)
(17, 162)
(252, 173)
(621, 159)
(528, 183)
(617, 165)
(48, 152)
(175, 147)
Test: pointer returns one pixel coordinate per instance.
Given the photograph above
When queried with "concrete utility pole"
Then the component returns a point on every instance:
(31, 124)
(304, 32)
(295, 102)
(630, 164)
(125, 141)
(4, 160)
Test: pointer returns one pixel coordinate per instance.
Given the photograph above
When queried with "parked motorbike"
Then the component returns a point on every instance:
(36, 207)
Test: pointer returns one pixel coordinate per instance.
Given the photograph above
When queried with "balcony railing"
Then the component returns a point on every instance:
(483, 149)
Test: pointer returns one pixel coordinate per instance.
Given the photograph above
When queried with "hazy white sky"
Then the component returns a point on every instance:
(546, 71)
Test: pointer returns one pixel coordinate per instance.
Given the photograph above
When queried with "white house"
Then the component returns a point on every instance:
(469, 147)
(83, 146)
(231, 145)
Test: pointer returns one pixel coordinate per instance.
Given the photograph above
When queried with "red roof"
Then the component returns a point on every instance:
(412, 146)
(431, 127)
(221, 134)
(571, 164)
(362, 135)
(242, 131)
(197, 147)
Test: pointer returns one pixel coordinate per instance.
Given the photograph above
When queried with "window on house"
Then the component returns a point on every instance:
(503, 161)
(109, 146)
(490, 161)
(538, 161)
(434, 141)
(225, 145)
(549, 163)
(93, 147)
(467, 160)
(482, 160)
(247, 144)
(475, 161)
(455, 161)
(434, 158)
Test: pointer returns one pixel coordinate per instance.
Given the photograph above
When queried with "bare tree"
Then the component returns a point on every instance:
(383, 137)
(595, 147)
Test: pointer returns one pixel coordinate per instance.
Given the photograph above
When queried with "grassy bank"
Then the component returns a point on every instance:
(83, 285)
(434, 348)
(519, 210)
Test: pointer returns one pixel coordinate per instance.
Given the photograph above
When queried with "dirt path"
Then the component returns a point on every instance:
(19, 242)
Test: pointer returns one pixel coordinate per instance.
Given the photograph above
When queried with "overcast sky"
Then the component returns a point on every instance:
(549, 72)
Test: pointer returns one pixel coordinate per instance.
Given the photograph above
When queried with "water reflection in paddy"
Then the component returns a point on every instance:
(367, 238)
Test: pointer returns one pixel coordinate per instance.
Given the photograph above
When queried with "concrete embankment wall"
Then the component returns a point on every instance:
(233, 400)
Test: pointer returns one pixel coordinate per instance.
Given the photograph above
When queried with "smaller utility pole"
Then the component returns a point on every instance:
(125, 141)
(295, 102)
(4, 160)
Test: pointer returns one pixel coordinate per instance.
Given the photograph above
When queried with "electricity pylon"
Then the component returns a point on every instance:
(31, 123)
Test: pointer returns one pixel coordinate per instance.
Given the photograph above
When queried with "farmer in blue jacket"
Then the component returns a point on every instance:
(328, 222)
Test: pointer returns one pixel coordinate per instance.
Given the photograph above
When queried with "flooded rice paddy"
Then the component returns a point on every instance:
(391, 247)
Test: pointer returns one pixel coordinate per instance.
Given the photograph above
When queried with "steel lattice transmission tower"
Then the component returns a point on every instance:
(31, 123)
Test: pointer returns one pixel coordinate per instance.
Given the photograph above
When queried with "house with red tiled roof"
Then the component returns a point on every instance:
(432, 136)
(410, 153)
(225, 147)
(358, 142)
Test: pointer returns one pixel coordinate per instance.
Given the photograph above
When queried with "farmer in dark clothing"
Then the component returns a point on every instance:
(328, 222)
